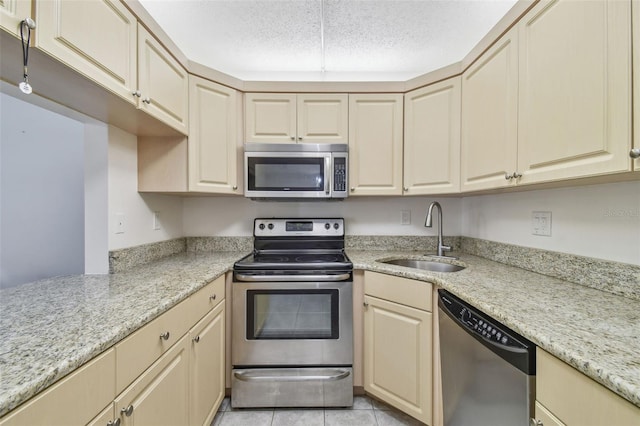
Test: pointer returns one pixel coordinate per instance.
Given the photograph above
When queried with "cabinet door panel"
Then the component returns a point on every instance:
(96, 38)
(489, 117)
(207, 366)
(432, 139)
(213, 142)
(12, 12)
(397, 347)
(163, 82)
(575, 90)
(375, 144)
(322, 118)
(270, 118)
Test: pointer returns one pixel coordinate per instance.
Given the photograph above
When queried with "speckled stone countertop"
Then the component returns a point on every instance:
(51, 327)
(596, 332)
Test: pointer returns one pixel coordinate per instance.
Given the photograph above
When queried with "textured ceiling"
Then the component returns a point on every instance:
(326, 40)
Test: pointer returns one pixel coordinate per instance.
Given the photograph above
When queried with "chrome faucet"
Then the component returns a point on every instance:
(428, 223)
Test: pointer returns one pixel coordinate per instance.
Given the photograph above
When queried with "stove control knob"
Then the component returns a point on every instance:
(465, 315)
(336, 225)
(327, 225)
(270, 226)
(261, 226)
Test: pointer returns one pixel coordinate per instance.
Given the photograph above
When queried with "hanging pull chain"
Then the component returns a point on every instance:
(29, 25)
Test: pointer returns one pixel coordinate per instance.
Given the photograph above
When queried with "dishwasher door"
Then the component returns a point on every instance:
(488, 371)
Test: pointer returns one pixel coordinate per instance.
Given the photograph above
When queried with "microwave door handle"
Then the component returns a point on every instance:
(327, 174)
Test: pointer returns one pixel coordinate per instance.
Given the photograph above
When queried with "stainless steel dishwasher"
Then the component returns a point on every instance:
(488, 370)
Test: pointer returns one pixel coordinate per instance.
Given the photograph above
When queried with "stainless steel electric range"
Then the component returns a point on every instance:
(292, 324)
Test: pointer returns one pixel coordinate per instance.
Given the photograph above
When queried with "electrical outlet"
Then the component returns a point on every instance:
(156, 221)
(405, 217)
(119, 223)
(541, 223)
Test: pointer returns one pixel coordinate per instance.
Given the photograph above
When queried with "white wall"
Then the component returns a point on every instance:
(601, 221)
(42, 192)
(137, 208)
(233, 216)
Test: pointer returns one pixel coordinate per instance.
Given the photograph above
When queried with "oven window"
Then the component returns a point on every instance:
(292, 314)
(289, 174)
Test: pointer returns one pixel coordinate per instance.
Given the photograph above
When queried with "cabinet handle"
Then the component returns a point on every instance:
(136, 93)
(165, 335)
(147, 101)
(517, 175)
(115, 422)
(196, 339)
(352, 189)
(634, 153)
(299, 138)
(127, 411)
(507, 176)
(293, 138)
(535, 422)
(405, 189)
(365, 304)
(212, 298)
(234, 187)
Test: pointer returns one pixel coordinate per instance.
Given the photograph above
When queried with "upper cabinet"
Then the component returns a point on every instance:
(215, 150)
(12, 12)
(432, 139)
(375, 144)
(489, 117)
(574, 109)
(96, 38)
(287, 118)
(163, 85)
(636, 85)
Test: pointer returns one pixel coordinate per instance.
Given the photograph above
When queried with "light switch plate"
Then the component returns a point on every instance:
(119, 223)
(541, 223)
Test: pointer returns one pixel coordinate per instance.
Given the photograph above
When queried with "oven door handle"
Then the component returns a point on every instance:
(272, 376)
(291, 278)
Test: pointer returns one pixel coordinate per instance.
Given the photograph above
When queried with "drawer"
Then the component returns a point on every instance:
(207, 298)
(138, 351)
(416, 294)
(74, 400)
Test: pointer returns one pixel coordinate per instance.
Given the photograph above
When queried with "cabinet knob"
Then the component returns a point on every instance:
(212, 298)
(405, 189)
(234, 187)
(517, 175)
(196, 339)
(115, 422)
(136, 93)
(365, 304)
(299, 138)
(293, 138)
(507, 176)
(164, 336)
(147, 101)
(127, 411)
(352, 189)
(535, 422)
(634, 153)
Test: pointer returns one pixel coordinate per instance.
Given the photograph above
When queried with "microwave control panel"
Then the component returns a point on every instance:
(339, 174)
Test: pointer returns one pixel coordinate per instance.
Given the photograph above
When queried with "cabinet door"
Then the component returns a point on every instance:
(489, 117)
(214, 148)
(635, 10)
(397, 356)
(96, 38)
(575, 90)
(207, 371)
(12, 12)
(162, 82)
(270, 117)
(74, 400)
(323, 118)
(160, 395)
(375, 144)
(432, 139)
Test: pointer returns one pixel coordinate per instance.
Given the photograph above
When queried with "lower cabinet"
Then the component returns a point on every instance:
(564, 396)
(398, 343)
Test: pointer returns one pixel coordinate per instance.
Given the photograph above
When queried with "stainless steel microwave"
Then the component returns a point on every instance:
(296, 171)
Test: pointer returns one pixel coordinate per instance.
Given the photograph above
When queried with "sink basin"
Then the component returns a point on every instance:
(426, 265)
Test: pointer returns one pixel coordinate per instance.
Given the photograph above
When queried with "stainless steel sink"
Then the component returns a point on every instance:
(426, 265)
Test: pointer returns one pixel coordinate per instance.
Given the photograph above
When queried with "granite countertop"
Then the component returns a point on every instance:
(51, 327)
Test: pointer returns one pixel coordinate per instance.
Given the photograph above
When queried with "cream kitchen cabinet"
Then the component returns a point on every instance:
(161, 394)
(432, 139)
(289, 118)
(375, 144)
(215, 148)
(489, 117)
(207, 366)
(96, 38)
(635, 11)
(564, 396)
(73, 400)
(163, 85)
(398, 343)
(574, 109)
(12, 12)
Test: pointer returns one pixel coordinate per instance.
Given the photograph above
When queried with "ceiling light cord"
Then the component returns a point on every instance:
(322, 36)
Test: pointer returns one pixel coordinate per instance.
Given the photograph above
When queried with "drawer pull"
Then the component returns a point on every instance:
(115, 422)
(165, 335)
(196, 339)
(127, 411)
(212, 298)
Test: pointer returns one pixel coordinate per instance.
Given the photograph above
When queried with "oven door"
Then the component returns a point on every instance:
(292, 324)
(287, 174)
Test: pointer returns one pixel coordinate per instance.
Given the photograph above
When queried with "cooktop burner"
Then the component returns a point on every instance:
(313, 258)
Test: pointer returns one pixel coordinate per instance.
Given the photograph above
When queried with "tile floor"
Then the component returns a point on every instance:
(365, 412)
